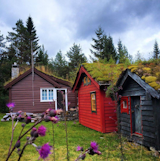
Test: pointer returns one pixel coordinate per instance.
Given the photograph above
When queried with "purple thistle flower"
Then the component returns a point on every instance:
(28, 119)
(10, 105)
(42, 130)
(94, 146)
(54, 119)
(33, 130)
(45, 151)
(52, 113)
(78, 148)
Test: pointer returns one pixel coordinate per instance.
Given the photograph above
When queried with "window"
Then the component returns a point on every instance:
(86, 81)
(93, 101)
(124, 105)
(46, 94)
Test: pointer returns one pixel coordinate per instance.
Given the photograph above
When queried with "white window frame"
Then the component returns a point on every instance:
(54, 96)
(47, 94)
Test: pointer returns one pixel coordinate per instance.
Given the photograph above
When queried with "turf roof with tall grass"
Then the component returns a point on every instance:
(149, 71)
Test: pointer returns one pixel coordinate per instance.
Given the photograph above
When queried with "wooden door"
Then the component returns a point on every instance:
(60, 99)
(136, 115)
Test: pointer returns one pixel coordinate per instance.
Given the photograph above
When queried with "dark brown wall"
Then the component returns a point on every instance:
(22, 95)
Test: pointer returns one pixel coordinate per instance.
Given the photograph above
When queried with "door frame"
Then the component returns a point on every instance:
(132, 133)
(66, 97)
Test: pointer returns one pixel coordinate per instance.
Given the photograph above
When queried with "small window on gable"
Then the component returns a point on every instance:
(86, 80)
(46, 94)
(93, 101)
(124, 105)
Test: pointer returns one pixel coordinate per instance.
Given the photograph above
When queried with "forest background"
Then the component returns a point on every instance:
(17, 45)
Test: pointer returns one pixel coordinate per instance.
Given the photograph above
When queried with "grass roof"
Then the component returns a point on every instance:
(149, 71)
(43, 69)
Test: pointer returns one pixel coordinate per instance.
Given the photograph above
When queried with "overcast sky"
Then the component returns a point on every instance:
(60, 23)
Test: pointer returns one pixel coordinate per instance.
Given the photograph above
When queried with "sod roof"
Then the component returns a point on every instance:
(149, 72)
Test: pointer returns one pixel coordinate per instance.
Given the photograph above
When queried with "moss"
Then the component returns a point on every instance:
(150, 79)
(143, 77)
(134, 69)
(132, 66)
(154, 85)
(147, 70)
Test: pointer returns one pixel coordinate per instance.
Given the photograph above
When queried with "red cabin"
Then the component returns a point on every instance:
(96, 111)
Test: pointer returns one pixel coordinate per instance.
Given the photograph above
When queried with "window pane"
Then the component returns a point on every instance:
(44, 94)
(93, 101)
(125, 104)
(50, 94)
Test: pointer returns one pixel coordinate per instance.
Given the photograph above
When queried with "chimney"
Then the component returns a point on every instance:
(15, 70)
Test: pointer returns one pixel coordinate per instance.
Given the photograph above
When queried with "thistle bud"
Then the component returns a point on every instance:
(52, 113)
(83, 156)
(32, 132)
(35, 134)
(19, 118)
(17, 145)
(23, 125)
(47, 118)
(28, 119)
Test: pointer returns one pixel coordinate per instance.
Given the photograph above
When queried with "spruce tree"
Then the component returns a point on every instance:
(17, 40)
(42, 56)
(60, 65)
(76, 57)
(98, 43)
(31, 38)
(156, 50)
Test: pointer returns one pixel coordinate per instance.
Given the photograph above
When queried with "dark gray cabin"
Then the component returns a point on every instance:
(139, 110)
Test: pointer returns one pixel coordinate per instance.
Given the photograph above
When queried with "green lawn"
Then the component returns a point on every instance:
(77, 135)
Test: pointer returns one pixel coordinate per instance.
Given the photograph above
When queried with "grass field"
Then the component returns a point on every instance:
(109, 144)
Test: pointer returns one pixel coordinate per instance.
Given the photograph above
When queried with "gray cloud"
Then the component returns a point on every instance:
(61, 23)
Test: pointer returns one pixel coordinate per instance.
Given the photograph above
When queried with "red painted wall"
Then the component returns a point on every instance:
(86, 117)
(110, 115)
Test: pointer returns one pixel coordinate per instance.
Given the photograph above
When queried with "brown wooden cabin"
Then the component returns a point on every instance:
(139, 110)
(38, 95)
(96, 111)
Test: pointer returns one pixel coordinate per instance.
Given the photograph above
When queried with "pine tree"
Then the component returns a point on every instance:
(76, 57)
(98, 43)
(42, 57)
(103, 46)
(122, 52)
(17, 40)
(2, 43)
(109, 49)
(156, 50)
(31, 37)
(60, 65)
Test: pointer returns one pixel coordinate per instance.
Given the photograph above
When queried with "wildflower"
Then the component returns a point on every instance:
(17, 145)
(19, 118)
(79, 148)
(32, 132)
(59, 111)
(10, 105)
(94, 146)
(54, 119)
(47, 111)
(23, 125)
(83, 156)
(45, 151)
(52, 112)
(28, 119)
(47, 118)
(42, 130)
